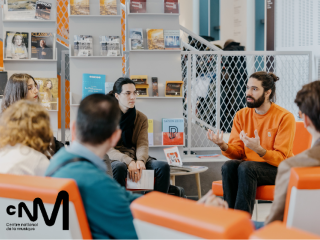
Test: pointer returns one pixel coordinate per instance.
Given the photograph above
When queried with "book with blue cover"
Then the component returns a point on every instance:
(93, 83)
(172, 131)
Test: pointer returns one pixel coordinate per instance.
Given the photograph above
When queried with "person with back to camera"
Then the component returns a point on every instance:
(25, 138)
(132, 151)
(261, 138)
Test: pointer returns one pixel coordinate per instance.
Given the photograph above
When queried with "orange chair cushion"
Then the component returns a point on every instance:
(265, 192)
(302, 140)
(278, 230)
(187, 216)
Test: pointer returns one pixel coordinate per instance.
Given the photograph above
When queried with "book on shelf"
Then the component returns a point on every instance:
(83, 46)
(43, 10)
(173, 156)
(48, 92)
(171, 6)
(20, 9)
(172, 131)
(93, 83)
(42, 45)
(150, 132)
(139, 79)
(79, 7)
(3, 82)
(136, 39)
(108, 87)
(142, 90)
(16, 45)
(108, 7)
(155, 39)
(174, 88)
(138, 6)
(155, 92)
(172, 39)
(110, 46)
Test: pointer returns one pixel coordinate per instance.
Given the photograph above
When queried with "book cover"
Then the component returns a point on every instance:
(79, 7)
(155, 92)
(110, 46)
(171, 6)
(171, 39)
(21, 5)
(142, 92)
(108, 7)
(139, 79)
(93, 83)
(43, 10)
(108, 87)
(83, 45)
(138, 6)
(42, 45)
(155, 39)
(173, 89)
(16, 45)
(48, 92)
(136, 39)
(150, 132)
(3, 82)
(172, 131)
(173, 156)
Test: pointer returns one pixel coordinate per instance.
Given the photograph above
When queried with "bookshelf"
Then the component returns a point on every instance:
(163, 64)
(96, 25)
(38, 68)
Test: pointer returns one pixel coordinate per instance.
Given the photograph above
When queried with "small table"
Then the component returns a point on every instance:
(195, 171)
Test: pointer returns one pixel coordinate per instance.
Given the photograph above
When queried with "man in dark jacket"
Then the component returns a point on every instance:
(44, 52)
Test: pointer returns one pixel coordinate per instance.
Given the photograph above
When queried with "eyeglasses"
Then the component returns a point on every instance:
(135, 93)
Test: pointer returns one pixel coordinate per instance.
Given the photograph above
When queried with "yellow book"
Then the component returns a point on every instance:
(150, 131)
(79, 7)
(108, 7)
(155, 39)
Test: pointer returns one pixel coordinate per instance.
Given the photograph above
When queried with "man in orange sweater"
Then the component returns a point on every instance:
(261, 138)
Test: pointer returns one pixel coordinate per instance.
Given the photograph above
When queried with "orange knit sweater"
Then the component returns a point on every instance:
(276, 130)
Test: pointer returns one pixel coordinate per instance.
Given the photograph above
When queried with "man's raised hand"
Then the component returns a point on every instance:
(217, 139)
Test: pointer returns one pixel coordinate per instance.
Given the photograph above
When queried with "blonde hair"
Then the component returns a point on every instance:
(27, 123)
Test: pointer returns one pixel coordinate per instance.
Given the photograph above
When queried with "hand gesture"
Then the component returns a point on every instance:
(252, 143)
(217, 139)
(134, 173)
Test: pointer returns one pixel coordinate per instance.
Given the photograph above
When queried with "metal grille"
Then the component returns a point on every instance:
(62, 21)
(217, 85)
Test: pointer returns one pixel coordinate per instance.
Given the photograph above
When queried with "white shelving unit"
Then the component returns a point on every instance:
(38, 68)
(163, 64)
(95, 25)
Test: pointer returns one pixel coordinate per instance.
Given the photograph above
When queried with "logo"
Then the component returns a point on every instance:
(173, 130)
(63, 197)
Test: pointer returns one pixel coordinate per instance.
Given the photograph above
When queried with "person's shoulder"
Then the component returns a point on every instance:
(141, 116)
(281, 110)
(304, 159)
(244, 111)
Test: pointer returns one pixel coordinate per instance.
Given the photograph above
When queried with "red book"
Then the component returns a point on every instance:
(138, 6)
(171, 6)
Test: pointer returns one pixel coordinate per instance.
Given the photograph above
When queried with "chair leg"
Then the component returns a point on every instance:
(256, 203)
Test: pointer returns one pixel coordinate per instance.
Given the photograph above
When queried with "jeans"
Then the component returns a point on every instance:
(161, 173)
(240, 180)
(258, 225)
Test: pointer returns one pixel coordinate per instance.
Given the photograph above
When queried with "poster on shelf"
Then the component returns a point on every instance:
(16, 45)
(42, 45)
(138, 6)
(48, 92)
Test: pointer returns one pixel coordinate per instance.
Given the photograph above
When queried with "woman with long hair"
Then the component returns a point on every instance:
(132, 151)
(25, 139)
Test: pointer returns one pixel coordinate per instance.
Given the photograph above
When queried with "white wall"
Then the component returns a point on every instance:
(189, 15)
(237, 22)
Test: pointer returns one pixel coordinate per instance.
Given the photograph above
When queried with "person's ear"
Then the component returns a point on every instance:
(306, 120)
(117, 96)
(73, 131)
(267, 93)
(115, 137)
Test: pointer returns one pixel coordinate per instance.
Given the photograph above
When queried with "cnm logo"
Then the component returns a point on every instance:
(63, 197)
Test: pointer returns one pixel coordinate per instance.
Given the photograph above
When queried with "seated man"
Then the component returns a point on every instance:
(106, 203)
(261, 138)
(308, 101)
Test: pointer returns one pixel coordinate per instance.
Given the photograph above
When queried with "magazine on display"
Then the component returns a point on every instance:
(42, 45)
(136, 39)
(155, 39)
(83, 46)
(110, 46)
(93, 83)
(172, 131)
(3, 82)
(138, 6)
(173, 156)
(139, 79)
(155, 87)
(174, 88)
(20, 9)
(150, 132)
(16, 45)
(142, 92)
(48, 92)
(43, 10)
(172, 39)
(108, 7)
(79, 7)
(171, 6)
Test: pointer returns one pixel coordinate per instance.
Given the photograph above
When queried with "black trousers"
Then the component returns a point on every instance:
(161, 173)
(240, 180)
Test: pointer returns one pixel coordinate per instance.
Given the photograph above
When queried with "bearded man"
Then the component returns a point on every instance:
(261, 138)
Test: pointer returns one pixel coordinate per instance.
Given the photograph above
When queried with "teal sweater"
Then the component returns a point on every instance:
(106, 203)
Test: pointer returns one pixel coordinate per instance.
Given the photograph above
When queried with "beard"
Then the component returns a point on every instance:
(256, 102)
